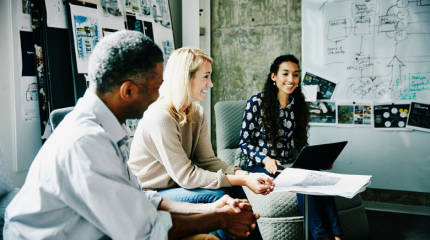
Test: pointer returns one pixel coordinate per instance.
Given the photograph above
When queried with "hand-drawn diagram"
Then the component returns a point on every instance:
(382, 47)
(391, 115)
(316, 179)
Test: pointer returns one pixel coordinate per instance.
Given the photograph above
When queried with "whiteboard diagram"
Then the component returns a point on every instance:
(376, 50)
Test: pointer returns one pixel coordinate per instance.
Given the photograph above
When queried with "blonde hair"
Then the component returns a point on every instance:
(176, 88)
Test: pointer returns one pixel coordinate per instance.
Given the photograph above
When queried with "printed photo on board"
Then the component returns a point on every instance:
(322, 112)
(326, 87)
(391, 116)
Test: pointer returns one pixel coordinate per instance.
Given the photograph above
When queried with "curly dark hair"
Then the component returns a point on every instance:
(270, 107)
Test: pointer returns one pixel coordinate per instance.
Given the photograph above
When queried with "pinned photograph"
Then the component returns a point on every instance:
(354, 114)
(419, 116)
(390, 116)
(322, 113)
(326, 87)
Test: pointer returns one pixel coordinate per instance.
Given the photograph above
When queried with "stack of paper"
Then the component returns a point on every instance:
(320, 183)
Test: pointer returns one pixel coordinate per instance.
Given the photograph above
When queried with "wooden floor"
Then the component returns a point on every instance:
(398, 226)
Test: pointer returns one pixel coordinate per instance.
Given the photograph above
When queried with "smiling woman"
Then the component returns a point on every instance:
(171, 151)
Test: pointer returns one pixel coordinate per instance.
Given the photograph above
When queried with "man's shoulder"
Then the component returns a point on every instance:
(77, 131)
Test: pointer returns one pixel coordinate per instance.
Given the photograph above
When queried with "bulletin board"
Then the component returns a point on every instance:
(91, 20)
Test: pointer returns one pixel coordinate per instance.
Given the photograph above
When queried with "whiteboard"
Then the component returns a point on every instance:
(377, 51)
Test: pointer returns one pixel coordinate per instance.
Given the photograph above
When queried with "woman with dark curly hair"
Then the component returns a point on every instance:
(275, 119)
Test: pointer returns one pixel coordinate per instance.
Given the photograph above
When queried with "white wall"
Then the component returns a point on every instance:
(7, 95)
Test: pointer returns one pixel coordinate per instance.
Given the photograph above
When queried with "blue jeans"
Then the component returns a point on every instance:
(200, 195)
(323, 218)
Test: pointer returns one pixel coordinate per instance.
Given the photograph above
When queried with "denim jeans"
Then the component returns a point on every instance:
(323, 218)
(200, 195)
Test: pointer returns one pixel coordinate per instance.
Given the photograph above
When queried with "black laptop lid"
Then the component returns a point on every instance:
(319, 157)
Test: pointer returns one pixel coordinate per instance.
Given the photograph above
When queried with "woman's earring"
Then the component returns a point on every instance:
(274, 83)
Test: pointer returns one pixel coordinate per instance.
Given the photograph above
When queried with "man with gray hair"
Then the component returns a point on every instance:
(79, 185)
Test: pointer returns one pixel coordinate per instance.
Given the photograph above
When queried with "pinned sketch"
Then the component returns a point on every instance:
(29, 100)
(326, 87)
(322, 113)
(152, 18)
(86, 33)
(419, 116)
(167, 48)
(111, 14)
(56, 13)
(24, 15)
(134, 6)
(390, 116)
(161, 12)
(378, 50)
(357, 114)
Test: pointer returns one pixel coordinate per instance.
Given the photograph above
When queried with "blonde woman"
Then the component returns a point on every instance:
(172, 152)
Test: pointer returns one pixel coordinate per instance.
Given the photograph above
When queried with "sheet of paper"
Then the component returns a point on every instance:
(310, 92)
(24, 15)
(111, 14)
(321, 183)
(56, 13)
(29, 100)
(86, 33)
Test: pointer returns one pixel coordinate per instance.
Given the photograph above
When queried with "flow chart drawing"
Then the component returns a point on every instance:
(381, 48)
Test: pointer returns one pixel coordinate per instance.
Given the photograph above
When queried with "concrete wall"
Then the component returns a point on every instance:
(247, 35)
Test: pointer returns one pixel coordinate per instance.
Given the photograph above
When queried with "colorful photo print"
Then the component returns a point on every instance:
(132, 6)
(111, 7)
(390, 116)
(345, 114)
(419, 116)
(326, 87)
(161, 12)
(86, 32)
(322, 112)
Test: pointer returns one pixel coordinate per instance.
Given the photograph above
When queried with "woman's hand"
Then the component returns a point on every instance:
(271, 165)
(260, 183)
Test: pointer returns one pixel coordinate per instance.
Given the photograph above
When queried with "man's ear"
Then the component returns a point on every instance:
(128, 90)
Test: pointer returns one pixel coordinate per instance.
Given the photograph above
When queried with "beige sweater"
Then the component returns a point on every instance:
(165, 155)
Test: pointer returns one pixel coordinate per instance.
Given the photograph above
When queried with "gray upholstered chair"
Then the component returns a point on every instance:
(280, 215)
(7, 192)
(58, 115)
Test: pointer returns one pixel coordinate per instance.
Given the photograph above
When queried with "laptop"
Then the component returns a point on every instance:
(317, 157)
